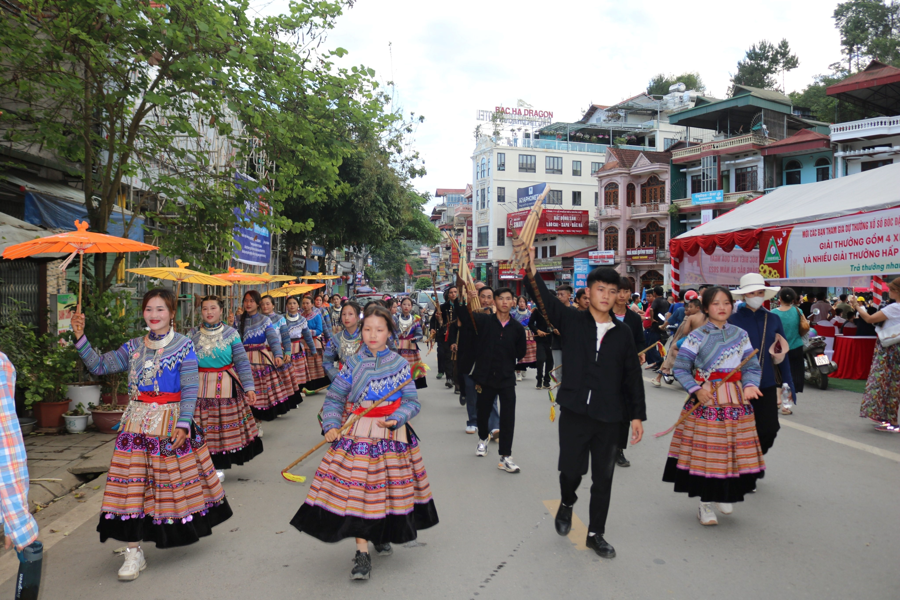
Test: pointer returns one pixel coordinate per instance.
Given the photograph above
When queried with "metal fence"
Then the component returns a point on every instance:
(19, 281)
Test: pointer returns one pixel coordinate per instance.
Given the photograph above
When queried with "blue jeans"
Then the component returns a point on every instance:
(471, 399)
(652, 336)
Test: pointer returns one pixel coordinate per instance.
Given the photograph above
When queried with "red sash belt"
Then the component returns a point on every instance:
(383, 410)
(214, 369)
(718, 375)
(259, 347)
(159, 397)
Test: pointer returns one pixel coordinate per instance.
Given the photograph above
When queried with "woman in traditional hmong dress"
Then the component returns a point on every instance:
(285, 371)
(226, 391)
(334, 313)
(263, 345)
(715, 451)
(161, 486)
(346, 342)
(323, 309)
(300, 335)
(523, 316)
(371, 484)
(316, 373)
(409, 332)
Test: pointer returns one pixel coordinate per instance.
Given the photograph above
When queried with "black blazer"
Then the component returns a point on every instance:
(537, 321)
(497, 349)
(606, 385)
(636, 324)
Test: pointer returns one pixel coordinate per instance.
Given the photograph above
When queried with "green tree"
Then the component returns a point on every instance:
(423, 283)
(659, 84)
(760, 64)
(824, 107)
(870, 29)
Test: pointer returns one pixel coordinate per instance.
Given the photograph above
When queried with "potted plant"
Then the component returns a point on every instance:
(76, 419)
(115, 389)
(106, 417)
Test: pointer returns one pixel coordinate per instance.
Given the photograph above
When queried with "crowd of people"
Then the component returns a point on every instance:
(197, 398)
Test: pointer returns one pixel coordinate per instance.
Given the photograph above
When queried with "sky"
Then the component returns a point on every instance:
(450, 59)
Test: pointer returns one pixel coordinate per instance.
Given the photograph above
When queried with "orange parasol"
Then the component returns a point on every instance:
(293, 289)
(77, 242)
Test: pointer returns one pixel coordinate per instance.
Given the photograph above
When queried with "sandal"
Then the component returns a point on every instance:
(655, 383)
(786, 411)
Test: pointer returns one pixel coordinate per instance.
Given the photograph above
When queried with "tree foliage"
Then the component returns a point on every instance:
(870, 29)
(659, 84)
(762, 62)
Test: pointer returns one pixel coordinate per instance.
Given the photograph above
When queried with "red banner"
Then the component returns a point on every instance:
(508, 272)
(773, 252)
(553, 222)
(469, 243)
(454, 256)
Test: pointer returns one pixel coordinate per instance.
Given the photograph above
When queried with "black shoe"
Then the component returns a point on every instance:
(621, 460)
(600, 546)
(363, 567)
(538, 386)
(448, 384)
(462, 400)
(384, 549)
(563, 519)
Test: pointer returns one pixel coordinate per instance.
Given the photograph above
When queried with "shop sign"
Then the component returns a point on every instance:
(602, 257)
(63, 306)
(454, 255)
(863, 244)
(641, 254)
(509, 115)
(318, 250)
(527, 196)
(552, 222)
(701, 198)
(469, 238)
(481, 253)
(508, 272)
(544, 265)
(442, 271)
(435, 259)
(581, 267)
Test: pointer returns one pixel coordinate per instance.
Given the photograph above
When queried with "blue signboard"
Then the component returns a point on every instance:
(318, 250)
(582, 268)
(527, 196)
(713, 197)
(254, 244)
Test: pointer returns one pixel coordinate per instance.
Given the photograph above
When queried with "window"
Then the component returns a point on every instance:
(874, 164)
(745, 180)
(554, 197)
(576, 198)
(629, 194)
(596, 198)
(576, 168)
(482, 199)
(695, 184)
(653, 236)
(595, 167)
(488, 197)
(527, 163)
(709, 174)
(501, 161)
(483, 164)
(792, 173)
(552, 251)
(553, 165)
(629, 238)
(483, 239)
(668, 143)
(611, 195)
(501, 194)
(544, 251)
(489, 168)
(611, 239)
(654, 191)
(501, 236)
(823, 169)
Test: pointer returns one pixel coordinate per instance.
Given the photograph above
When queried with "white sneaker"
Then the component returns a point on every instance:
(481, 449)
(221, 475)
(518, 376)
(706, 515)
(259, 432)
(507, 464)
(134, 564)
(471, 429)
(726, 508)
(495, 436)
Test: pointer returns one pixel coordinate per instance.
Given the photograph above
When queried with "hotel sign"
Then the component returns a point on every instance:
(602, 257)
(701, 198)
(509, 115)
(641, 254)
(552, 222)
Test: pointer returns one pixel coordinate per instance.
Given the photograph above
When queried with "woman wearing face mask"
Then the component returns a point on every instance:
(371, 484)
(285, 371)
(161, 486)
(300, 335)
(408, 328)
(263, 345)
(523, 316)
(226, 387)
(316, 371)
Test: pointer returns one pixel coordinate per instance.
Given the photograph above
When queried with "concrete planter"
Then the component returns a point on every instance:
(76, 423)
(105, 421)
(86, 393)
(49, 414)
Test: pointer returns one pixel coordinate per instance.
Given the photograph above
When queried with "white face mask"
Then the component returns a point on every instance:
(755, 302)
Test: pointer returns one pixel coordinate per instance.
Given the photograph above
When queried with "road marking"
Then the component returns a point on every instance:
(842, 440)
(65, 524)
(578, 535)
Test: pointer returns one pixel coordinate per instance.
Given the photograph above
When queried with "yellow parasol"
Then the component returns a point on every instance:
(277, 278)
(239, 277)
(179, 274)
(321, 277)
(294, 289)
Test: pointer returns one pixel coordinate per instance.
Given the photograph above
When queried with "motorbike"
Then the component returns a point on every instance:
(817, 364)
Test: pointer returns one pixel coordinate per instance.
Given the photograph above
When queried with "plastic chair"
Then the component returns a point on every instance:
(827, 331)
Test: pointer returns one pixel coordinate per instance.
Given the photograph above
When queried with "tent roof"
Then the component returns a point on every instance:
(863, 192)
(877, 87)
(13, 231)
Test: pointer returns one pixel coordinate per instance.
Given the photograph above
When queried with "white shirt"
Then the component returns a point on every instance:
(602, 328)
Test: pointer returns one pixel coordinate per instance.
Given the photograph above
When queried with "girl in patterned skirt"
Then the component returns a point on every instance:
(285, 371)
(263, 345)
(523, 316)
(161, 486)
(715, 451)
(371, 484)
(317, 378)
(408, 329)
(226, 390)
(300, 335)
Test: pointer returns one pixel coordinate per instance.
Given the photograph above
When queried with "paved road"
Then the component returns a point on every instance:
(823, 524)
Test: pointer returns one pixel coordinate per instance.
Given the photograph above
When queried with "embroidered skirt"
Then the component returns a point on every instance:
(315, 370)
(299, 370)
(226, 420)
(371, 485)
(530, 358)
(416, 366)
(882, 395)
(157, 494)
(271, 393)
(715, 451)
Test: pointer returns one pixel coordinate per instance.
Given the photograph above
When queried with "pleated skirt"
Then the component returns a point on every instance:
(271, 393)
(530, 358)
(315, 368)
(224, 416)
(414, 358)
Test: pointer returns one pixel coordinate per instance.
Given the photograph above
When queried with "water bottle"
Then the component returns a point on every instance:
(787, 398)
(28, 581)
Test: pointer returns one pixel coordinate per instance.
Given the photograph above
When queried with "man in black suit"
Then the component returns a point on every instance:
(621, 312)
(603, 389)
(440, 330)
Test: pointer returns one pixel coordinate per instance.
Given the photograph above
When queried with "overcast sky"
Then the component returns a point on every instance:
(449, 59)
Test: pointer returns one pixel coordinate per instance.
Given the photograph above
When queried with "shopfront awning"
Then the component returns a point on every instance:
(13, 231)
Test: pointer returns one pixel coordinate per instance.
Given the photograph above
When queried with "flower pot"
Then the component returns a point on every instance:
(105, 421)
(49, 414)
(76, 423)
(86, 393)
(121, 399)
(26, 424)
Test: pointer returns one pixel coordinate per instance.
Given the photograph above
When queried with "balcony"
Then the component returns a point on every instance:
(662, 256)
(865, 128)
(647, 211)
(729, 198)
(564, 146)
(609, 212)
(733, 142)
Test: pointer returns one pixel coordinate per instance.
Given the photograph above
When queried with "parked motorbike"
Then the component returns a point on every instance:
(817, 365)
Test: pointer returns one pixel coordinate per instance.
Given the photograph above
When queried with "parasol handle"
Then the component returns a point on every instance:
(80, 277)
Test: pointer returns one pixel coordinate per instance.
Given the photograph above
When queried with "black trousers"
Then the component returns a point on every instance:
(581, 438)
(797, 358)
(766, 412)
(623, 435)
(443, 356)
(485, 402)
(544, 359)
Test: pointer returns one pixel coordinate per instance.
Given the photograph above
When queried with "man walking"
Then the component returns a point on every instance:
(564, 295)
(621, 312)
(543, 335)
(501, 344)
(440, 331)
(602, 390)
